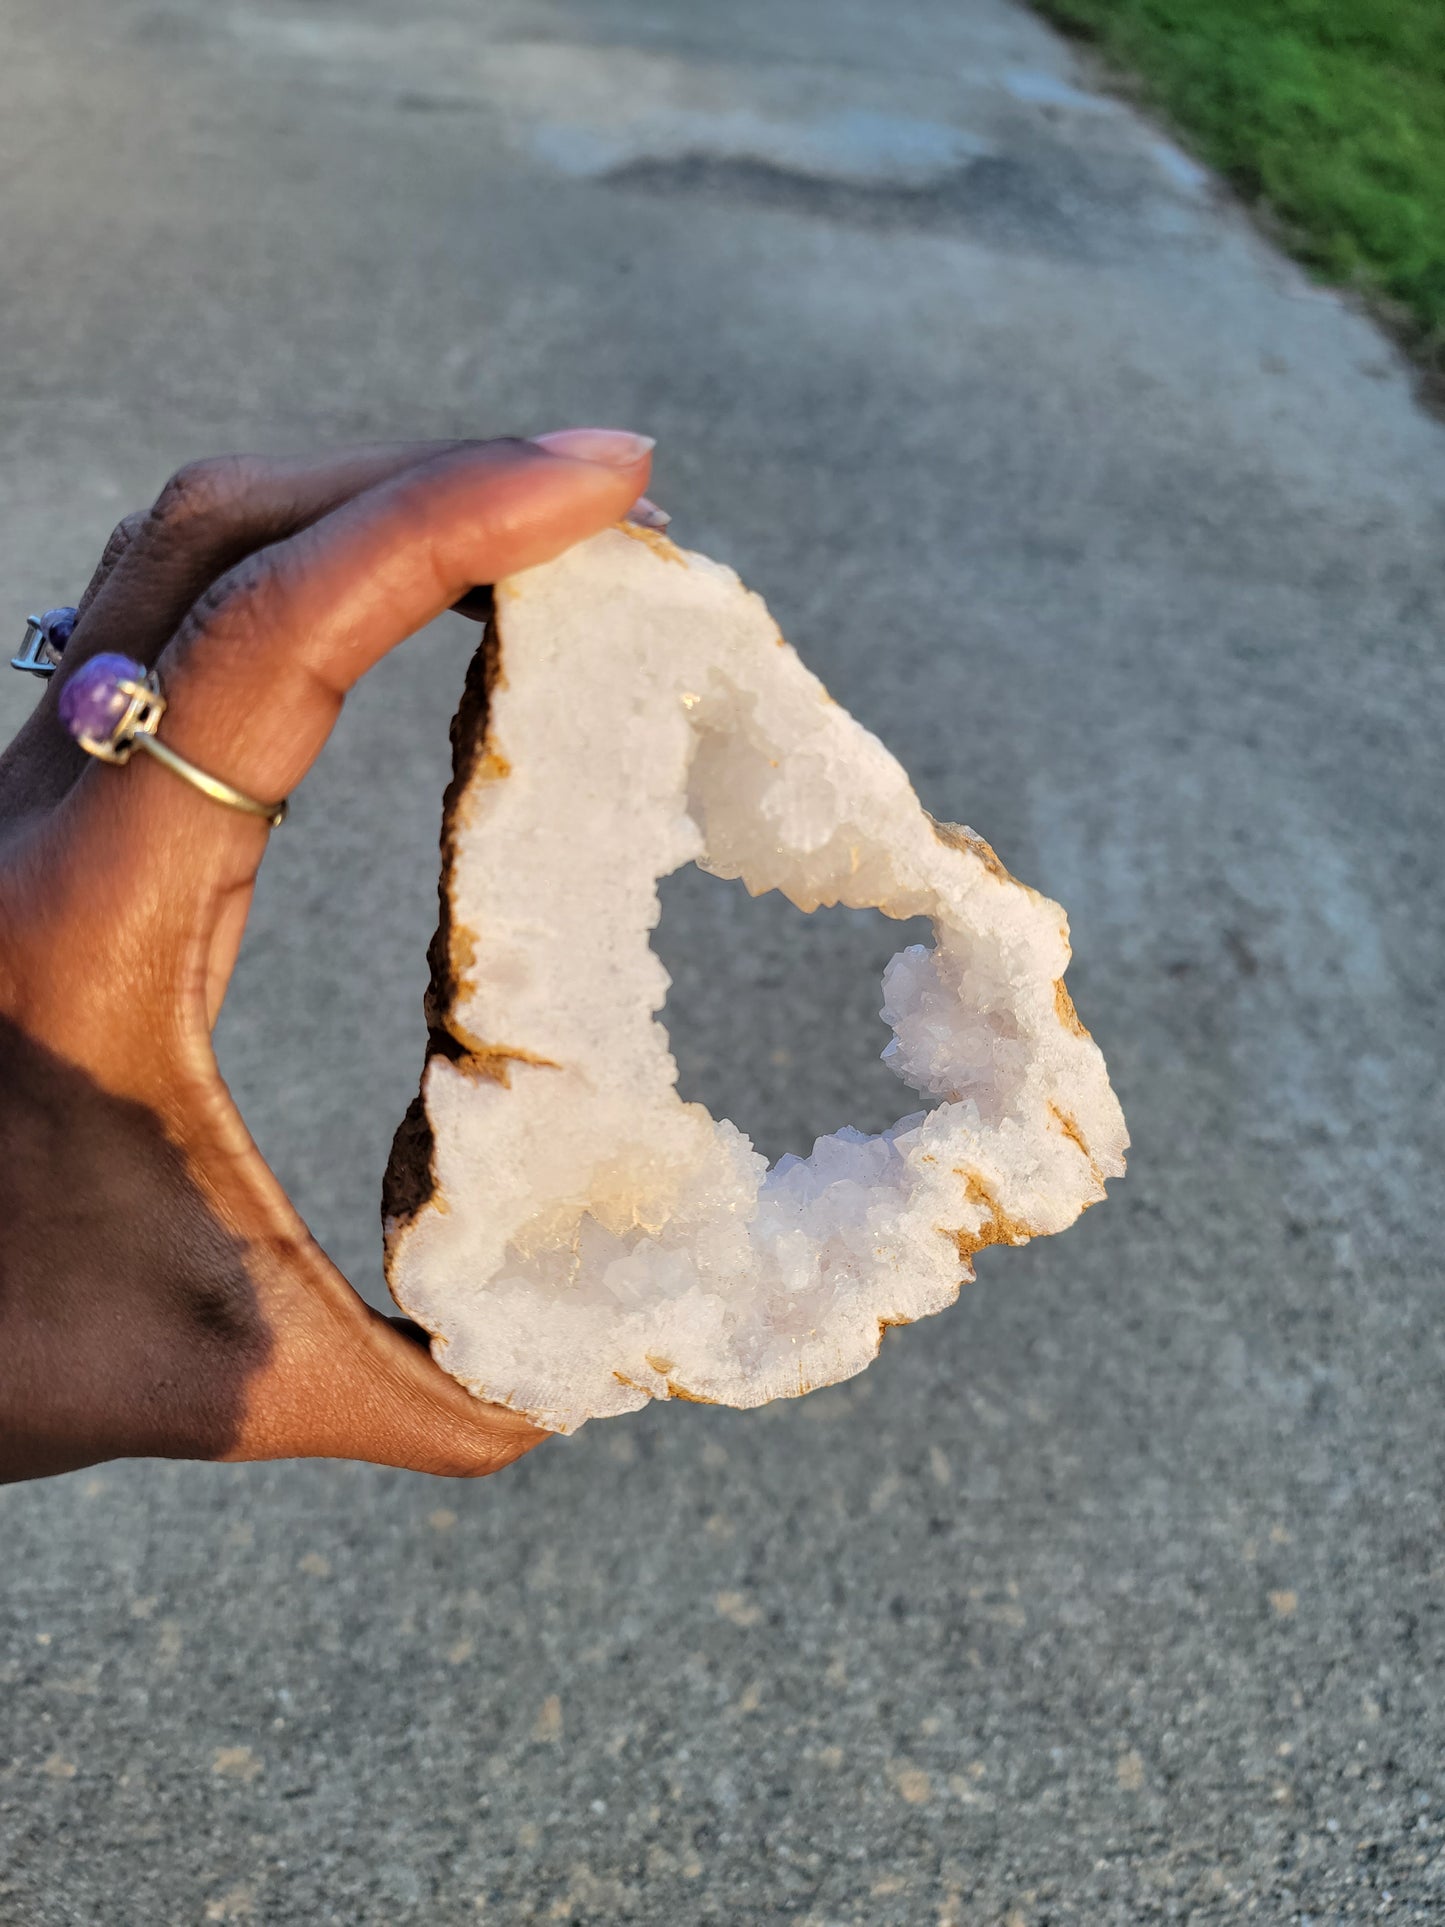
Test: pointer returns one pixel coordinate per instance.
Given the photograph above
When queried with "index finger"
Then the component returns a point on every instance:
(207, 519)
(257, 673)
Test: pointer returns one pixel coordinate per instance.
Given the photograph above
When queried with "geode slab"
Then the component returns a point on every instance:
(576, 1238)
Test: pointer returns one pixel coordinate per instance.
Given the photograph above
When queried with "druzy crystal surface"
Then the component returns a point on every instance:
(578, 1239)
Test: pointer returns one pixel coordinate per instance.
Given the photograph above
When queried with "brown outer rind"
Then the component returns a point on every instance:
(410, 1181)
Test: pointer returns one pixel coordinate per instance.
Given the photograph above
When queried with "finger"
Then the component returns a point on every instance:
(219, 510)
(476, 605)
(120, 539)
(256, 679)
(258, 672)
(647, 514)
(208, 518)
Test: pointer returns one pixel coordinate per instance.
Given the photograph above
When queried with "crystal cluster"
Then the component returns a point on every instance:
(575, 1237)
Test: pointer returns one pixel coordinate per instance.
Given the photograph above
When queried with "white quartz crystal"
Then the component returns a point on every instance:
(582, 1240)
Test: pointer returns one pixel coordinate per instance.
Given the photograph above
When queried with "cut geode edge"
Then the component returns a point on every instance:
(411, 1182)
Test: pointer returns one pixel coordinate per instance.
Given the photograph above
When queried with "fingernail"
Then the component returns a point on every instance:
(608, 447)
(647, 514)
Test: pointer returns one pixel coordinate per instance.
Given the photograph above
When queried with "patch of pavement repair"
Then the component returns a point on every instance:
(1022, 159)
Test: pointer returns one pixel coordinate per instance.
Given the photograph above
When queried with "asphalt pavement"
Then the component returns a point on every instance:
(1116, 1593)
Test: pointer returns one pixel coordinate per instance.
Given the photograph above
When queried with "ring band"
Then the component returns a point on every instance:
(212, 786)
(112, 707)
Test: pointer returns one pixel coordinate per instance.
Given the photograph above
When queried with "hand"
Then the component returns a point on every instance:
(159, 1294)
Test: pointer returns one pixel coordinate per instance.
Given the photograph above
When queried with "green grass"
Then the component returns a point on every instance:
(1329, 112)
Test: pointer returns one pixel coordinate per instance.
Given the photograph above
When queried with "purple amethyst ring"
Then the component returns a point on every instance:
(113, 707)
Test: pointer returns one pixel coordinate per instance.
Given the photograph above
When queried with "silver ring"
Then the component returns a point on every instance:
(113, 707)
(45, 637)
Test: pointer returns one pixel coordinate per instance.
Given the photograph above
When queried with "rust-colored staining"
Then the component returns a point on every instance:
(968, 1244)
(886, 1325)
(1064, 1006)
(461, 952)
(998, 1228)
(492, 767)
(493, 1063)
(958, 836)
(687, 1397)
(655, 540)
(674, 1390)
(475, 1057)
(1075, 1136)
(1070, 1129)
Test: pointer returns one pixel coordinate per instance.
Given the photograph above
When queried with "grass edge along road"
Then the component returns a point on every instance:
(1329, 115)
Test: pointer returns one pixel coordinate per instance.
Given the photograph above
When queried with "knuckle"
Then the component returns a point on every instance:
(121, 537)
(118, 544)
(239, 603)
(201, 493)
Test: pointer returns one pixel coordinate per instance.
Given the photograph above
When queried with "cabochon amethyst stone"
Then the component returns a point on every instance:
(92, 701)
(57, 625)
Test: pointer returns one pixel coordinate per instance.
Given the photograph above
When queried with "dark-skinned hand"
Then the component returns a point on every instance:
(159, 1293)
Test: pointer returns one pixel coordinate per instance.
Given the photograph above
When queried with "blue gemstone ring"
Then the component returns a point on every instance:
(45, 639)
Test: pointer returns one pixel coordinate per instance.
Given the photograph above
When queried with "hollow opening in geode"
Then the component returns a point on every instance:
(773, 1014)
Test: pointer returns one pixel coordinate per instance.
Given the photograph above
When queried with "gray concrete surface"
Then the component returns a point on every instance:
(1116, 1593)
